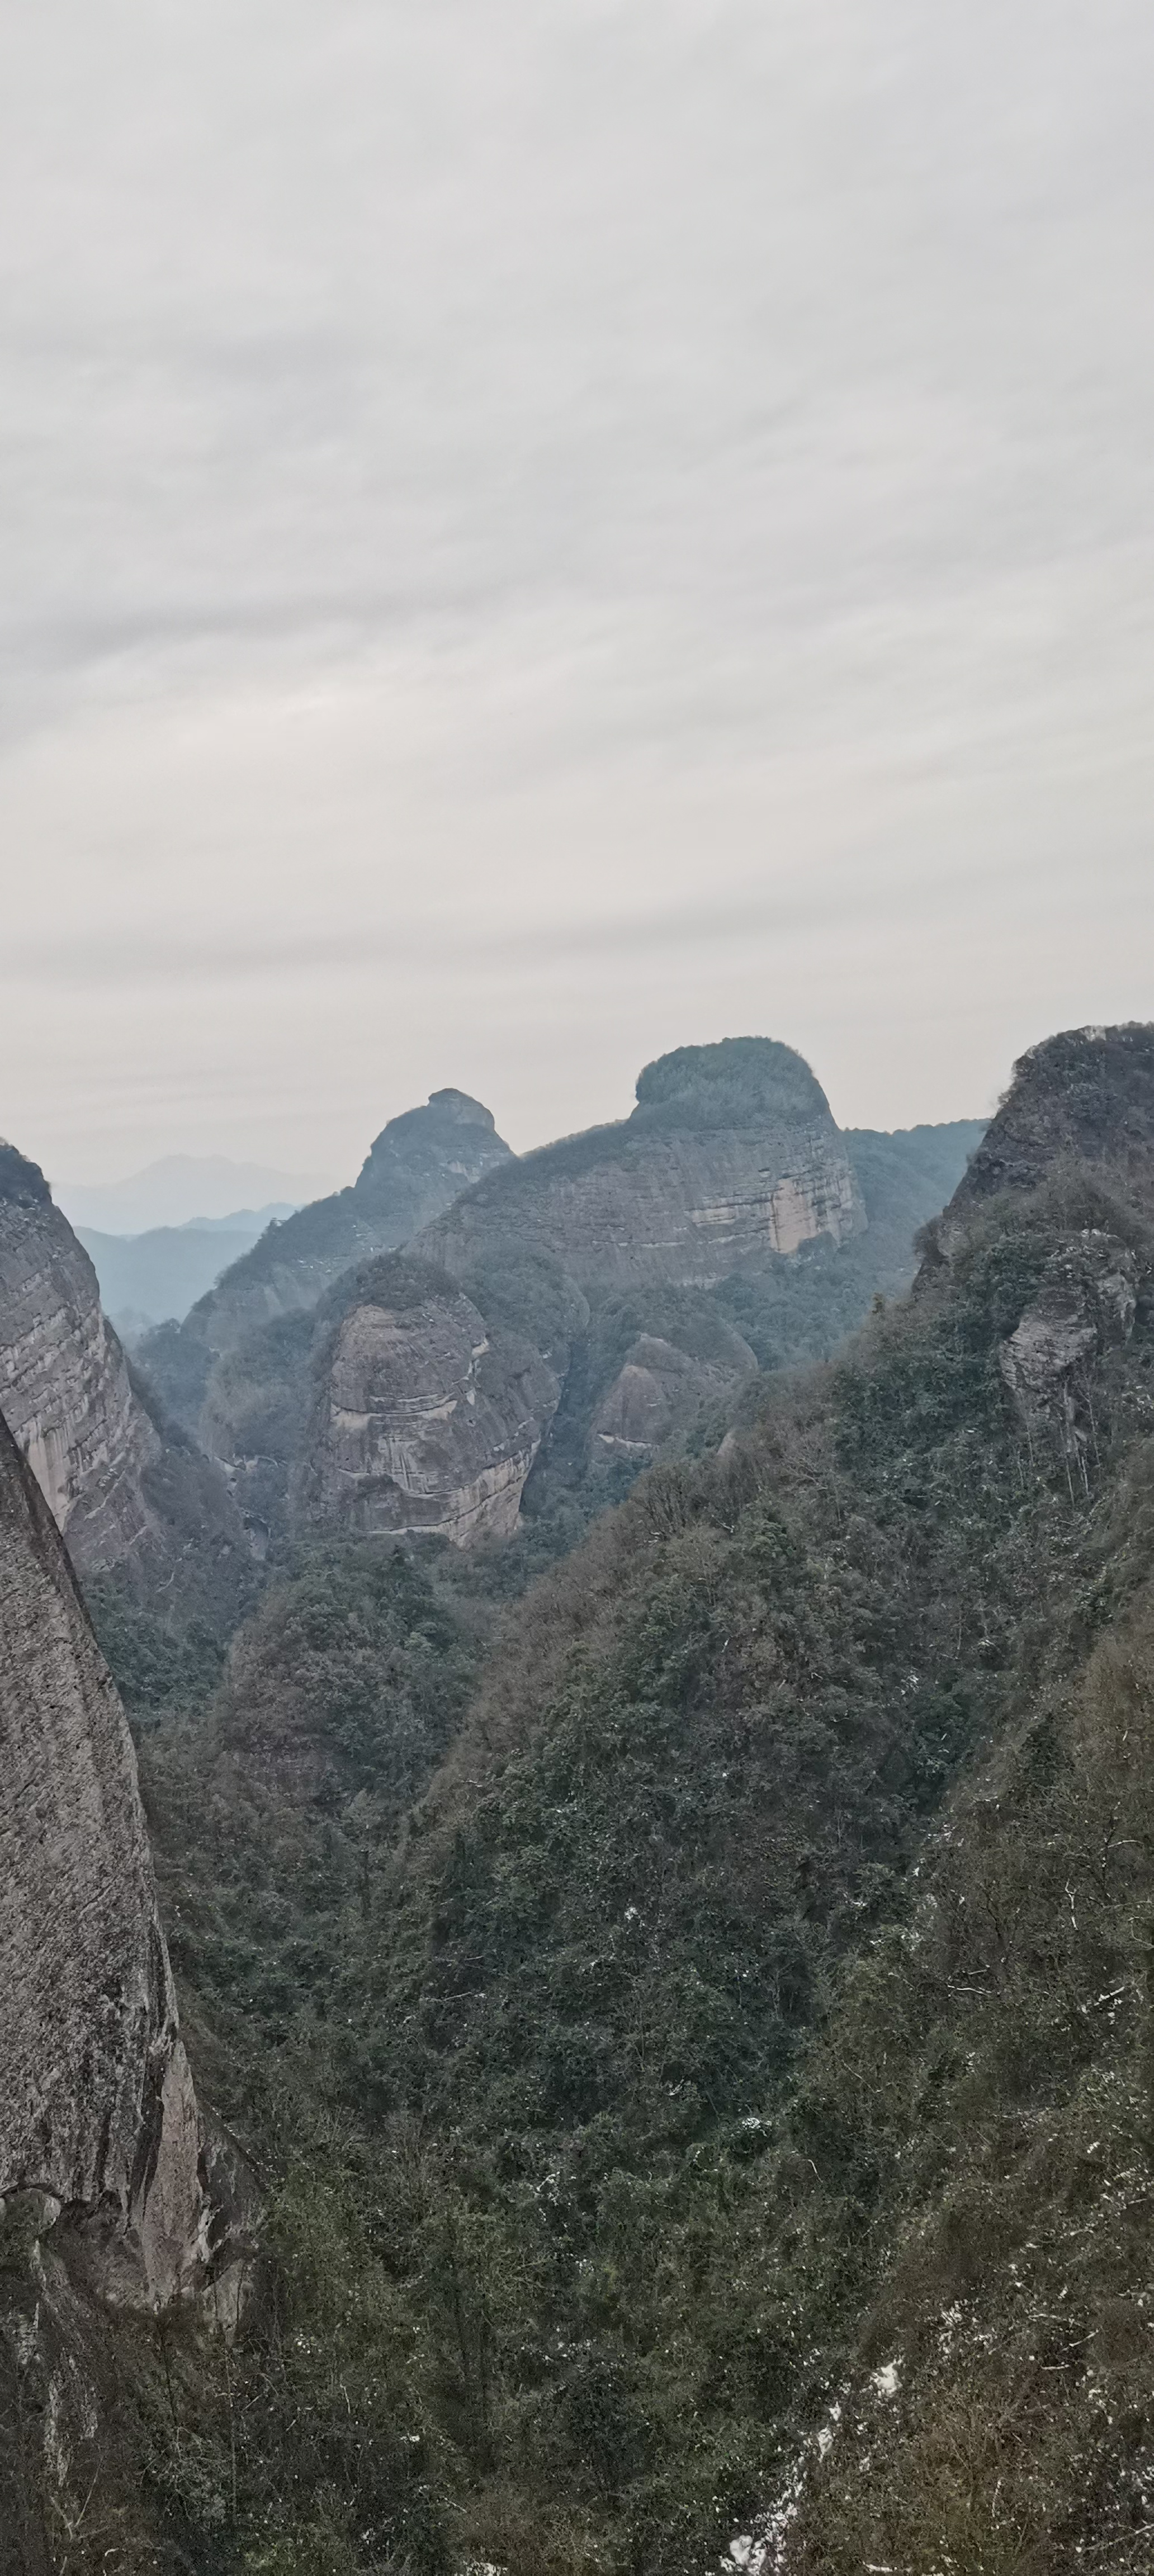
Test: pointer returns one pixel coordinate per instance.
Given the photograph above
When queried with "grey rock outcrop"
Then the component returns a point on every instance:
(418, 1163)
(661, 1391)
(133, 1497)
(1086, 1305)
(730, 1156)
(97, 2110)
(64, 1385)
(426, 1420)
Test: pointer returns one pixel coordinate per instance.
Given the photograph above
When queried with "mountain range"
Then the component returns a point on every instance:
(659, 1888)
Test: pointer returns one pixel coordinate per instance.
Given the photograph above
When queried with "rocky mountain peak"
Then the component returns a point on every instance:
(464, 1110)
(730, 1156)
(1086, 1093)
(450, 1132)
(22, 1183)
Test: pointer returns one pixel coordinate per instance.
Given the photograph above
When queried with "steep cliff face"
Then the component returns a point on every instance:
(731, 1156)
(96, 2107)
(64, 1385)
(426, 1420)
(134, 1499)
(418, 1164)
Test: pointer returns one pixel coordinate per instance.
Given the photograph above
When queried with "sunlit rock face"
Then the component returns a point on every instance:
(731, 1156)
(64, 1386)
(97, 2110)
(426, 1420)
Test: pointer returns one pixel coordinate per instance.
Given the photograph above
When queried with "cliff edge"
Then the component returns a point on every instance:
(97, 2110)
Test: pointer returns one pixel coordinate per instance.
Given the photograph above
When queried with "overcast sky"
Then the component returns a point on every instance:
(536, 531)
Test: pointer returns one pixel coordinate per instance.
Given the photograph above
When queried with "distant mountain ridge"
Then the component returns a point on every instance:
(584, 1307)
(145, 1279)
(178, 1187)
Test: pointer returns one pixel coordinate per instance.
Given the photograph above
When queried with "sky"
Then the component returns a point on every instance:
(539, 531)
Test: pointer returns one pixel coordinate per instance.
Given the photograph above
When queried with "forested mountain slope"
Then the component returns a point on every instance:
(709, 2120)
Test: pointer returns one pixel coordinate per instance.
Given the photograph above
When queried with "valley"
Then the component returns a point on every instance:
(640, 1658)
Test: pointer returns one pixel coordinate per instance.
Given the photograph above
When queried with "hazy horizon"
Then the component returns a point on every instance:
(537, 536)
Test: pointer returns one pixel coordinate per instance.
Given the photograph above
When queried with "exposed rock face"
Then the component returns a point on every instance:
(131, 1498)
(1089, 1094)
(425, 1419)
(96, 2107)
(418, 1164)
(661, 1391)
(1086, 1304)
(730, 1156)
(64, 1385)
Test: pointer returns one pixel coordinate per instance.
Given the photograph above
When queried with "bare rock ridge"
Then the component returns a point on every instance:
(731, 1155)
(418, 1163)
(131, 1496)
(97, 2109)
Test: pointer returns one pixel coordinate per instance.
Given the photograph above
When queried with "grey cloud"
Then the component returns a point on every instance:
(792, 360)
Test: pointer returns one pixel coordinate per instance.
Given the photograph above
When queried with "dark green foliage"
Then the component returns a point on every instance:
(155, 1668)
(599, 2101)
(660, 2005)
(177, 1366)
(732, 1084)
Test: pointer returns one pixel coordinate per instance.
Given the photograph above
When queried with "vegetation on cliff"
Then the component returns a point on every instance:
(692, 2021)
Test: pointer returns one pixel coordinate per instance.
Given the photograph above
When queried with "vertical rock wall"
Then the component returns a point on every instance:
(64, 1386)
(96, 2101)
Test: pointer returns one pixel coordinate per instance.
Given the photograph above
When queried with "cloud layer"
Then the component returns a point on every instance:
(540, 532)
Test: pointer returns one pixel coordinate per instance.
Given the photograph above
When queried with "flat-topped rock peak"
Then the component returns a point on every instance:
(730, 1155)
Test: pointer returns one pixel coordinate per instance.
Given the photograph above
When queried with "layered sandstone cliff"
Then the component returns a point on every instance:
(97, 2110)
(64, 1385)
(730, 1157)
(426, 1420)
(132, 1498)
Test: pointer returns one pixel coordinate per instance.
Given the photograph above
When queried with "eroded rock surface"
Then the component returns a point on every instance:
(132, 1495)
(661, 1391)
(97, 2110)
(730, 1156)
(64, 1384)
(426, 1420)
(1085, 1306)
